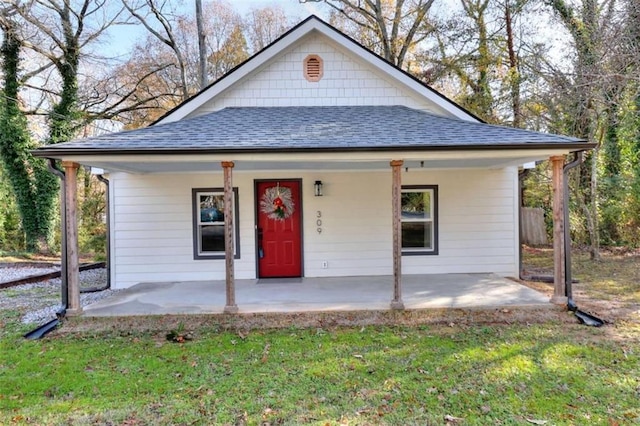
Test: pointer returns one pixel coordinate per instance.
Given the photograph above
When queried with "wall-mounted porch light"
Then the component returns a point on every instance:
(317, 188)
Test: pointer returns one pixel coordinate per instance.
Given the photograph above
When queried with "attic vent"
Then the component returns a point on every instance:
(313, 68)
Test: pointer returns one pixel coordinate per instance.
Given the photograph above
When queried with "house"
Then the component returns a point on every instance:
(314, 158)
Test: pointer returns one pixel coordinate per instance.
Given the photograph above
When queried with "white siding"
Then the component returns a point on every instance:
(346, 81)
(152, 224)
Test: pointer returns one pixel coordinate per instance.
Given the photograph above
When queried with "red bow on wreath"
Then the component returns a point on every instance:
(279, 207)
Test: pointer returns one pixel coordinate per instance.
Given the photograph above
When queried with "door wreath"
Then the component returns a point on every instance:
(277, 203)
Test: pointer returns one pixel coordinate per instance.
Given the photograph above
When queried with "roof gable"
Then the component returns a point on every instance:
(355, 76)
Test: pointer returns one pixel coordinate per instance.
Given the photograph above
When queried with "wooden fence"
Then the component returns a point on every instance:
(534, 232)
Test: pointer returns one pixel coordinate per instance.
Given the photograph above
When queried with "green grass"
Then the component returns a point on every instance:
(558, 373)
(375, 375)
(615, 277)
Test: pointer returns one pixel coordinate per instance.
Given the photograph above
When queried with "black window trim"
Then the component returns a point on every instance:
(434, 251)
(196, 212)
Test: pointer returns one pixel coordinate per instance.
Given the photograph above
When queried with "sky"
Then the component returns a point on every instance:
(122, 38)
(292, 7)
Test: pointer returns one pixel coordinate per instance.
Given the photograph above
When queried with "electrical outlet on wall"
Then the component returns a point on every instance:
(325, 264)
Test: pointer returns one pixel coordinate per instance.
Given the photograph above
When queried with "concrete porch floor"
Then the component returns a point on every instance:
(318, 294)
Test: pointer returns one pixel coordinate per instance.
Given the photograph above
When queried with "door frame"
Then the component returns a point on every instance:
(256, 203)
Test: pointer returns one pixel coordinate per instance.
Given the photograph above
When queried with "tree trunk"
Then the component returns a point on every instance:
(202, 53)
(595, 229)
(514, 73)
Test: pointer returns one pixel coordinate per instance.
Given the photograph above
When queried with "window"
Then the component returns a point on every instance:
(419, 219)
(208, 223)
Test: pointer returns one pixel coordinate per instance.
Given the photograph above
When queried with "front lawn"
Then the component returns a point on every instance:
(553, 373)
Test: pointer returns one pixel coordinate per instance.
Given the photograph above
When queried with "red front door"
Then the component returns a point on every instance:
(279, 228)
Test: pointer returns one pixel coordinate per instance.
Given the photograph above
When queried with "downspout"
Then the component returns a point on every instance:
(51, 164)
(522, 175)
(583, 317)
(104, 180)
(577, 160)
(42, 330)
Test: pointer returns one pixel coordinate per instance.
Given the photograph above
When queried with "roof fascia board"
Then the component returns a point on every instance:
(331, 156)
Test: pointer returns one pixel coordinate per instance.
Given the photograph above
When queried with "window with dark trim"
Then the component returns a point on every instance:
(208, 223)
(419, 220)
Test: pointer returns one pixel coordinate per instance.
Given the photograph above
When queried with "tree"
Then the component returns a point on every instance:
(148, 12)
(479, 98)
(33, 187)
(263, 26)
(224, 29)
(202, 49)
(11, 233)
(232, 52)
(164, 68)
(391, 28)
(514, 76)
(591, 27)
(58, 33)
(485, 57)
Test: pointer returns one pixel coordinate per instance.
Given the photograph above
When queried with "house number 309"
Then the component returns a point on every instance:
(319, 221)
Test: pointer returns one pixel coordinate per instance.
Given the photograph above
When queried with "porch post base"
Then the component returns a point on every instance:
(73, 312)
(559, 300)
(397, 305)
(230, 309)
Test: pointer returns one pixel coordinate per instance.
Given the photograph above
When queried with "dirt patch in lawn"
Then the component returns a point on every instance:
(608, 288)
(324, 320)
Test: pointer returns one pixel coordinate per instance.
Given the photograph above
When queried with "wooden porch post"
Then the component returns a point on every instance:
(559, 293)
(73, 264)
(396, 201)
(230, 307)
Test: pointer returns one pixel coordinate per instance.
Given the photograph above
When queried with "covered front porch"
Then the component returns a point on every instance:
(398, 290)
(319, 295)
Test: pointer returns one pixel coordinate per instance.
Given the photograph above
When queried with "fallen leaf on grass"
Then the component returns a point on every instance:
(536, 422)
(358, 356)
(452, 419)
(265, 353)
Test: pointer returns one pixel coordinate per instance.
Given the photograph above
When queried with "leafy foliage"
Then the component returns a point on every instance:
(34, 187)
(92, 238)
(11, 233)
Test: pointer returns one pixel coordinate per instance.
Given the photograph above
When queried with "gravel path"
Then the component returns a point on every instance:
(39, 302)
(12, 274)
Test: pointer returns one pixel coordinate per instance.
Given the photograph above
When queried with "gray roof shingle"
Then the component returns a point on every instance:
(347, 128)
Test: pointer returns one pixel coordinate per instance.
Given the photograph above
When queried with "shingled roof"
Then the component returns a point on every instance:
(309, 129)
